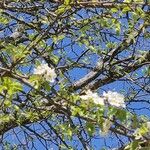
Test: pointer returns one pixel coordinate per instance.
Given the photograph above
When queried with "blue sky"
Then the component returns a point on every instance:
(77, 73)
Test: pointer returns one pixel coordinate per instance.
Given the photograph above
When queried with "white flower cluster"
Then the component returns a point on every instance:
(148, 125)
(111, 98)
(106, 126)
(45, 71)
(114, 99)
(93, 96)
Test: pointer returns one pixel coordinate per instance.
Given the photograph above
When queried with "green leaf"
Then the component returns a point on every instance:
(54, 58)
(114, 10)
(11, 86)
(126, 9)
(132, 146)
(58, 38)
(61, 9)
(112, 111)
(69, 133)
(143, 130)
(135, 122)
(67, 2)
(47, 86)
(35, 81)
(7, 103)
(16, 108)
(118, 28)
(90, 128)
(4, 118)
(3, 20)
(121, 114)
(139, 10)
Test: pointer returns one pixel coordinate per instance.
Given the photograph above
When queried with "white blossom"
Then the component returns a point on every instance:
(99, 100)
(114, 99)
(148, 124)
(94, 96)
(16, 35)
(44, 100)
(44, 70)
(105, 128)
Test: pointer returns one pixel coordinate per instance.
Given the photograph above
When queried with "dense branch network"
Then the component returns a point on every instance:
(89, 45)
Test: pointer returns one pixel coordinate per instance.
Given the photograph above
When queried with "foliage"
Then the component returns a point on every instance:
(88, 48)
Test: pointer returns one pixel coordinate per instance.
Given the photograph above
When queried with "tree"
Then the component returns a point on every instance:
(74, 74)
